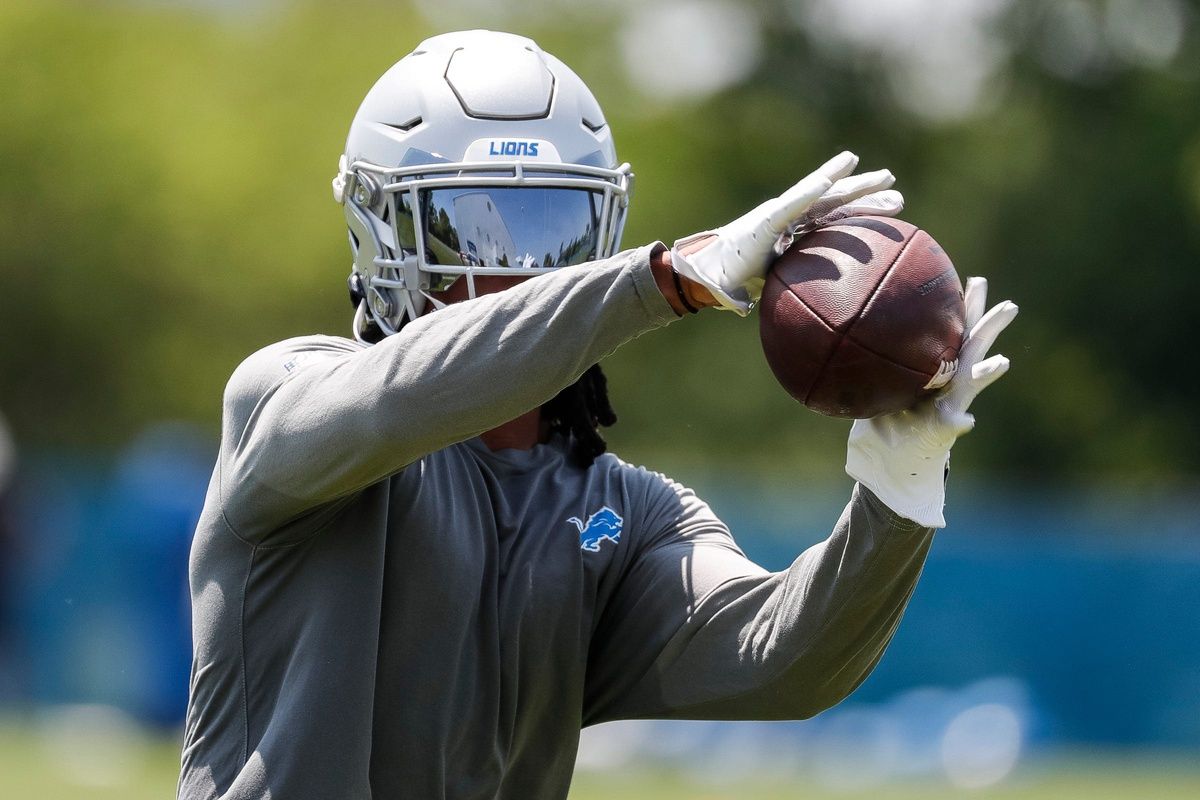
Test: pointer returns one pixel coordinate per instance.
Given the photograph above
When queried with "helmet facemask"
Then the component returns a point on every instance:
(417, 229)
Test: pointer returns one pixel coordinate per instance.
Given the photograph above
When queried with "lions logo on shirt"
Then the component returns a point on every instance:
(604, 524)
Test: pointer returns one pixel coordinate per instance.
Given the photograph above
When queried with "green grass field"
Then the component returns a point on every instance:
(50, 764)
(1084, 780)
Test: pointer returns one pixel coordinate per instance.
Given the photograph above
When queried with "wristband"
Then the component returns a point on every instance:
(691, 309)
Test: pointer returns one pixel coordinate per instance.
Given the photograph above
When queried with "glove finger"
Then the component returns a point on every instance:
(967, 386)
(952, 416)
(838, 167)
(887, 203)
(988, 371)
(983, 334)
(789, 207)
(856, 186)
(848, 190)
(975, 300)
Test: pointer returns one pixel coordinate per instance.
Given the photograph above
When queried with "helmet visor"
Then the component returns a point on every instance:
(499, 226)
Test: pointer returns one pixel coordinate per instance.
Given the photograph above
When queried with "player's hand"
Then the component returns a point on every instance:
(732, 261)
(902, 457)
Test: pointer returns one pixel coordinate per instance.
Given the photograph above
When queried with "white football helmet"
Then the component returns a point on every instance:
(476, 154)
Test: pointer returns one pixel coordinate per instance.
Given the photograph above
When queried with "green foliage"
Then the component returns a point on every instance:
(165, 210)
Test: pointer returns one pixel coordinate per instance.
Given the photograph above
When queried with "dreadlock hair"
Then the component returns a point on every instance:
(578, 412)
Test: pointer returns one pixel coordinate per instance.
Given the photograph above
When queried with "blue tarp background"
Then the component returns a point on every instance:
(1085, 601)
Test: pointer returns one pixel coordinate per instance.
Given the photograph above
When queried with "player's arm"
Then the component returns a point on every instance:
(304, 429)
(340, 420)
(698, 631)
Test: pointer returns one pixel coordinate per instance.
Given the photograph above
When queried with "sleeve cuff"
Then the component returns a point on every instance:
(899, 522)
(656, 306)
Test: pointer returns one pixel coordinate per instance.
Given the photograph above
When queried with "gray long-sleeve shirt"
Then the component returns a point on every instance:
(385, 608)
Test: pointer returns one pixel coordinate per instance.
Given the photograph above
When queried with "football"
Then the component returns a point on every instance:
(862, 317)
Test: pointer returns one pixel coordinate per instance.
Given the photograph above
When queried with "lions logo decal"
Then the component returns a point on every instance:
(604, 524)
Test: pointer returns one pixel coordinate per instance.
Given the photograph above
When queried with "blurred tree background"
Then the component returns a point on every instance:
(165, 206)
(165, 210)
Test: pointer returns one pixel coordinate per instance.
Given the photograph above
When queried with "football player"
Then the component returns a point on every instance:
(418, 573)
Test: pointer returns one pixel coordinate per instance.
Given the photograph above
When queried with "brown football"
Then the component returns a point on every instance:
(862, 317)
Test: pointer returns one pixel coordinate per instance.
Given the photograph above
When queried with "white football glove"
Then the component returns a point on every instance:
(902, 457)
(734, 264)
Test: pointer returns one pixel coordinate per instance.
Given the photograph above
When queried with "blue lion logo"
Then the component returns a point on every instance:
(604, 524)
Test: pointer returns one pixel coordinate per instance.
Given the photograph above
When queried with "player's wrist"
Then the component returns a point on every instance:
(684, 295)
(701, 259)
